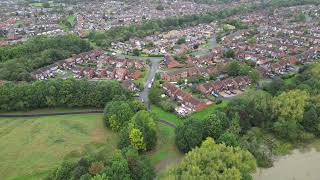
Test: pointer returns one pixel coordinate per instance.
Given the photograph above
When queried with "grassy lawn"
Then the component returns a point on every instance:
(206, 112)
(72, 20)
(166, 115)
(32, 147)
(166, 152)
(37, 4)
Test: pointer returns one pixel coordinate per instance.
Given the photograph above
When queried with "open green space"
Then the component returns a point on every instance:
(166, 152)
(37, 4)
(32, 147)
(72, 20)
(206, 112)
(166, 115)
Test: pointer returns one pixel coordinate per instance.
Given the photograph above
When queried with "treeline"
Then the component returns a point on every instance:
(126, 164)
(124, 33)
(59, 93)
(18, 61)
(266, 122)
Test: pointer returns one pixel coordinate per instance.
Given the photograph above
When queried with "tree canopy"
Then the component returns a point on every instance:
(289, 108)
(214, 161)
(58, 93)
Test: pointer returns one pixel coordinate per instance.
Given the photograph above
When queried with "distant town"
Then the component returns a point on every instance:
(195, 59)
(159, 89)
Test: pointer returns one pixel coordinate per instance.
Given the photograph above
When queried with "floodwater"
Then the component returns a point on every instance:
(296, 166)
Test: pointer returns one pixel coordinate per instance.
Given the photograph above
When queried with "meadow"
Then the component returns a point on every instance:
(30, 148)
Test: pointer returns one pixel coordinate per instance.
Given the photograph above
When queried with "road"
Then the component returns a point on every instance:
(152, 72)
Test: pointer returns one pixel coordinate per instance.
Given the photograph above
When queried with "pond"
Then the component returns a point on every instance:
(296, 166)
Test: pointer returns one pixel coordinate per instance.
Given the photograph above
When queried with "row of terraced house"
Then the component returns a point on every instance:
(230, 84)
(187, 101)
(106, 67)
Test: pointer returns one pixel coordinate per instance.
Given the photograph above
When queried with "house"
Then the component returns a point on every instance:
(170, 89)
(185, 73)
(195, 104)
(134, 74)
(170, 62)
(186, 99)
(120, 73)
(239, 82)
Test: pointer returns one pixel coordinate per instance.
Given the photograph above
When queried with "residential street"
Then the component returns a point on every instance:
(153, 70)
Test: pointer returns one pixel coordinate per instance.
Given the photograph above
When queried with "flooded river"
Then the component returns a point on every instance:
(296, 166)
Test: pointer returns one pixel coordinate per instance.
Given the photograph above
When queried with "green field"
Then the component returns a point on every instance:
(206, 112)
(166, 115)
(37, 4)
(31, 148)
(72, 20)
(166, 152)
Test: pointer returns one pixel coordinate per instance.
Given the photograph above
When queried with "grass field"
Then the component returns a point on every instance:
(166, 152)
(166, 115)
(37, 4)
(31, 148)
(206, 112)
(72, 20)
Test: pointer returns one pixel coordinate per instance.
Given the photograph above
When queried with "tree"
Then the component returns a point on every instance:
(229, 53)
(142, 131)
(155, 95)
(139, 166)
(214, 161)
(117, 114)
(277, 85)
(136, 139)
(229, 139)
(136, 52)
(233, 68)
(117, 168)
(253, 108)
(100, 177)
(254, 76)
(258, 146)
(189, 135)
(96, 167)
(181, 40)
(64, 171)
(160, 7)
(215, 125)
(289, 108)
(311, 120)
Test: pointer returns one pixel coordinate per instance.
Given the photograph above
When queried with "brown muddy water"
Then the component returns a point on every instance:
(300, 165)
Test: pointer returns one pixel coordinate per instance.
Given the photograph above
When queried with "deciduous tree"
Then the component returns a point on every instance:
(215, 161)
